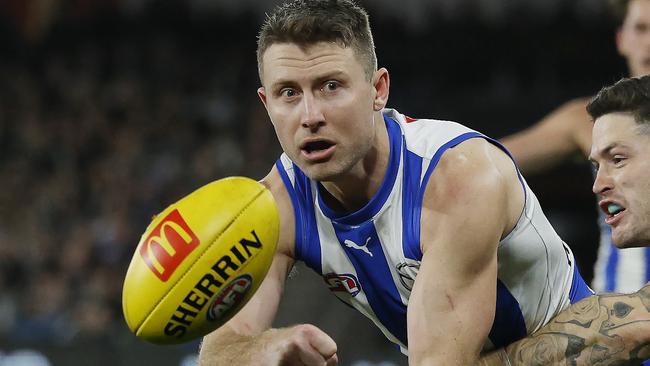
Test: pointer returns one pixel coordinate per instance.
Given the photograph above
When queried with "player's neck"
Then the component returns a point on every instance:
(356, 188)
(636, 73)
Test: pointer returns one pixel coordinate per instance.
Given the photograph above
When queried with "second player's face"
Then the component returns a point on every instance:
(321, 106)
(634, 38)
(621, 150)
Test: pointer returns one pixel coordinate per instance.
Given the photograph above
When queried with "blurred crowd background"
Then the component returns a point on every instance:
(112, 109)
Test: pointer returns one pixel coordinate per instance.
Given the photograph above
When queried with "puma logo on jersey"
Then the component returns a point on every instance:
(353, 245)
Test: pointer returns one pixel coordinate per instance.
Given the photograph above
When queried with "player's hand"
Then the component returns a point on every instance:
(300, 345)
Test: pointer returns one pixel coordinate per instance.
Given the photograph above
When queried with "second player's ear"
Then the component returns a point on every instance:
(620, 42)
(381, 84)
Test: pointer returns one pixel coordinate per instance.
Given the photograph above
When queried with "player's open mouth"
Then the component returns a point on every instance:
(317, 149)
(612, 210)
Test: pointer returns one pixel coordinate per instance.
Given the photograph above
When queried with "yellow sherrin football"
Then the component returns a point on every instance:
(200, 261)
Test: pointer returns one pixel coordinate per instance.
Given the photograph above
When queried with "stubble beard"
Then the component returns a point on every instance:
(341, 163)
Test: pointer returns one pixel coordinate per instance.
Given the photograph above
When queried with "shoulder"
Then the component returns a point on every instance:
(474, 185)
(474, 165)
(425, 137)
(471, 201)
(274, 183)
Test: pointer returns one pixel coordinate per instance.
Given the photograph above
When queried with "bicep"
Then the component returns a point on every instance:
(466, 211)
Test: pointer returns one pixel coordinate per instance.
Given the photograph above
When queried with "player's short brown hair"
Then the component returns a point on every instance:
(306, 22)
(629, 95)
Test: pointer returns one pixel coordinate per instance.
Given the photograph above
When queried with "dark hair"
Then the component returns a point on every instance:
(628, 95)
(619, 9)
(305, 22)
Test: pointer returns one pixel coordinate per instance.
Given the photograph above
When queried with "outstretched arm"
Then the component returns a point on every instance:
(475, 187)
(557, 136)
(608, 329)
(248, 339)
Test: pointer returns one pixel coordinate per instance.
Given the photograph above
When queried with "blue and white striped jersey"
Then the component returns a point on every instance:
(618, 270)
(370, 258)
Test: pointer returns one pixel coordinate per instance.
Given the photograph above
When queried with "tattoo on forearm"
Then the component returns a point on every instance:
(541, 350)
(644, 294)
(621, 309)
(599, 330)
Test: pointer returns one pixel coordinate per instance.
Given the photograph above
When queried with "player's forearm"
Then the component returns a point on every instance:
(450, 358)
(603, 330)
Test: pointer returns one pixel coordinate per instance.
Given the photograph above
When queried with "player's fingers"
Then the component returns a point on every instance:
(301, 353)
(322, 342)
(310, 346)
(310, 357)
(333, 361)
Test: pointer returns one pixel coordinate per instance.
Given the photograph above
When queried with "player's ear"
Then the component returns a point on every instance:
(620, 42)
(261, 92)
(381, 84)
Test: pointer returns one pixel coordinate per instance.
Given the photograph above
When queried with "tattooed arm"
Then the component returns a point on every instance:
(607, 329)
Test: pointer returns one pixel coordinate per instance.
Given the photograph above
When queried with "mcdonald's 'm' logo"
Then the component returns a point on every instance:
(167, 245)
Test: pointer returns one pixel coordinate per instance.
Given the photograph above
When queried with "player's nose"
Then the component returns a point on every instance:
(602, 183)
(312, 112)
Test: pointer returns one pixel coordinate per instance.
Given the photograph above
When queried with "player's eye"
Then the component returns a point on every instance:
(330, 85)
(618, 160)
(640, 27)
(288, 92)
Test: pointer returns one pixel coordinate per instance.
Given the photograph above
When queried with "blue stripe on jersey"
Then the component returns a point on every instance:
(647, 264)
(295, 201)
(612, 258)
(612, 264)
(434, 162)
(410, 188)
(377, 202)
(310, 252)
(374, 275)
(307, 241)
(509, 324)
(579, 289)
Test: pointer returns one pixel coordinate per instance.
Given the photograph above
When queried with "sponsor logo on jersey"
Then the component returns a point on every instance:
(346, 283)
(364, 248)
(407, 273)
(229, 297)
(169, 243)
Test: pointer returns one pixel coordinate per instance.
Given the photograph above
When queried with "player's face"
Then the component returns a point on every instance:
(620, 151)
(633, 38)
(321, 105)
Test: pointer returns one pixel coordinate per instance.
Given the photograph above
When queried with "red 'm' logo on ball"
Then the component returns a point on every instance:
(167, 245)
